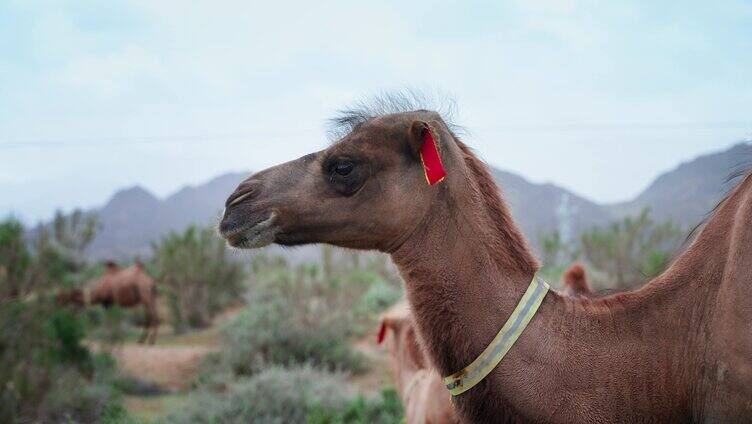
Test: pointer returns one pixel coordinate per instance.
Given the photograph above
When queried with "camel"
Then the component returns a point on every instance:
(423, 394)
(575, 283)
(678, 349)
(420, 387)
(125, 287)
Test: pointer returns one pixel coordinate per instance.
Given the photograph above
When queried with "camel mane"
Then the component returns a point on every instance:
(736, 177)
(386, 103)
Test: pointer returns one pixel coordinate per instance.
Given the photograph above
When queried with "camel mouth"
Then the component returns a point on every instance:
(254, 236)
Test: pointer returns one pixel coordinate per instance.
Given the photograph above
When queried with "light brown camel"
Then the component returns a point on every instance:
(420, 387)
(125, 287)
(575, 282)
(678, 349)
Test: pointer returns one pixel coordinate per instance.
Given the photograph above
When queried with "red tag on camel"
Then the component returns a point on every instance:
(382, 333)
(429, 155)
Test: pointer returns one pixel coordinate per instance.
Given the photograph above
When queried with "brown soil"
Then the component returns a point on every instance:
(170, 367)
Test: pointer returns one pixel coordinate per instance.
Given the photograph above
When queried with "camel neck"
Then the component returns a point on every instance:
(463, 279)
(462, 284)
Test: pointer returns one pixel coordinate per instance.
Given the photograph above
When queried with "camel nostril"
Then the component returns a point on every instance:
(241, 193)
(238, 199)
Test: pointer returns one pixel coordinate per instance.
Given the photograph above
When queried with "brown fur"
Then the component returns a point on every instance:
(678, 349)
(575, 283)
(125, 287)
(421, 389)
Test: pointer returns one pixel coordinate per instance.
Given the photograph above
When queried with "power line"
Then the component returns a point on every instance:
(114, 141)
(652, 126)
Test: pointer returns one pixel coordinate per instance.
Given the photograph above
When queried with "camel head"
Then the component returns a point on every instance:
(371, 189)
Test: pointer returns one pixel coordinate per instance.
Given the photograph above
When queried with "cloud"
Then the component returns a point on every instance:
(239, 84)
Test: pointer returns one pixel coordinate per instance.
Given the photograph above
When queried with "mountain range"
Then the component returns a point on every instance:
(134, 218)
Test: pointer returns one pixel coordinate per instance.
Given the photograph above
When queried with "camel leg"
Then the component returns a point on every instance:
(144, 334)
(155, 329)
(147, 325)
(152, 320)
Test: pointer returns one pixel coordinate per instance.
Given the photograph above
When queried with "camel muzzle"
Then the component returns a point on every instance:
(248, 233)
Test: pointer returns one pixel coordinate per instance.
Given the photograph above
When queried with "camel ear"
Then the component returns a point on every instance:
(387, 322)
(425, 145)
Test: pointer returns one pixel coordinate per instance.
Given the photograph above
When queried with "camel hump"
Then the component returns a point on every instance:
(574, 274)
(111, 266)
(575, 282)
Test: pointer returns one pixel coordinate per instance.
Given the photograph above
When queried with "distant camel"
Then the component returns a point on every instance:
(575, 283)
(400, 181)
(424, 397)
(125, 287)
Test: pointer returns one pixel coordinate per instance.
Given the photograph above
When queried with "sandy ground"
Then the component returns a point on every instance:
(172, 363)
(170, 367)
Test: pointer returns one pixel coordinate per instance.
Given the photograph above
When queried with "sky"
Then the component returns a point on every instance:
(598, 97)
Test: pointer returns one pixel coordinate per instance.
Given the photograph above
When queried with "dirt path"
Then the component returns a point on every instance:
(170, 367)
(172, 363)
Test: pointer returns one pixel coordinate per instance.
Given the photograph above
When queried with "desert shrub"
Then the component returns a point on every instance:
(556, 252)
(74, 399)
(632, 249)
(15, 259)
(279, 327)
(48, 374)
(379, 296)
(300, 315)
(386, 408)
(275, 395)
(198, 273)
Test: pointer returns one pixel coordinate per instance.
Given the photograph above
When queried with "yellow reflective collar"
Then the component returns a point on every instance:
(472, 374)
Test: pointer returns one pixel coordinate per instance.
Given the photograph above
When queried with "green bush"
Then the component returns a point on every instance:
(379, 296)
(273, 329)
(383, 409)
(289, 395)
(298, 316)
(282, 354)
(200, 277)
(275, 395)
(15, 259)
(46, 372)
(632, 249)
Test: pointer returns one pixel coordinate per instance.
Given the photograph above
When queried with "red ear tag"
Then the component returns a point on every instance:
(429, 156)
(382, 332)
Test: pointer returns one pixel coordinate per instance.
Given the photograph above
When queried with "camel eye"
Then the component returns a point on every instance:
(345, 175)
(343, 169)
